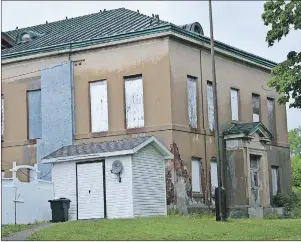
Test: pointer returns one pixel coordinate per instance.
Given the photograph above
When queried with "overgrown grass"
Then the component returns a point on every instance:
(172, 228)
(9, 229)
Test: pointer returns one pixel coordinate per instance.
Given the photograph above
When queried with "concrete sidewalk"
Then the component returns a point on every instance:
(22, 235)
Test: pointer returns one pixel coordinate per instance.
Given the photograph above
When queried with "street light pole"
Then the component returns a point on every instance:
(216, 127)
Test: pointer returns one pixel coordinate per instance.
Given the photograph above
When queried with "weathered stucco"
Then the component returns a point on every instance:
(164, 64)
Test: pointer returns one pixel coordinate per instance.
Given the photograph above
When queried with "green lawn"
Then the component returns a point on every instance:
(172, 228)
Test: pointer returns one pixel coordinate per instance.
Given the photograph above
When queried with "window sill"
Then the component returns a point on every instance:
(135, 130)
(98, 134)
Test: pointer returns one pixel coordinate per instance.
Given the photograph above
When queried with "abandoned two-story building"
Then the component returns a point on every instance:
(119, 74)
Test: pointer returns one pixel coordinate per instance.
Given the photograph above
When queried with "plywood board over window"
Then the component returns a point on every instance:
(2, 118)
(214, 180)
(210, 106)
(192, 101)
(234, 104)
(270, 107)
(196, 175)
(34, 114)
(134, 107)
(275, 179)
(256, 107)
(99, 106)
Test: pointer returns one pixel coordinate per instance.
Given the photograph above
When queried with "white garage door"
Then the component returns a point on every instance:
(90, 190)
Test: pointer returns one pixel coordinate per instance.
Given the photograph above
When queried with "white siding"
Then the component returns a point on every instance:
(234, 104)
(196, 175)
(192, 101)
(119, 194)
(134, 108)
(90, 190)
(99, 106)
(64, 184)
(149, 183)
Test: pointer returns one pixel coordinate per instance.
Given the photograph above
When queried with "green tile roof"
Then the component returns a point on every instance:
(246, 128)
(87, 27)
(106, 26)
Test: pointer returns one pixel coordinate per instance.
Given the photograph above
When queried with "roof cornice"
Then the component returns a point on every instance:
(168, 28)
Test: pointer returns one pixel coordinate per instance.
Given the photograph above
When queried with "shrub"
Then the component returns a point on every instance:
(202, 214)
(293, 207)
(173, 212)
(280, 200)
(273, 215)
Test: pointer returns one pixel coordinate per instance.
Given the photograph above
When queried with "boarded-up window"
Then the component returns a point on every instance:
(234, 104)
(275, 178)
(192, 101)
(99, 106)
(2, 118)
(196, 175)
(134, 110)
(270, 106)
(256, 107)
(34, 114)
(214, 180)
(210, 106)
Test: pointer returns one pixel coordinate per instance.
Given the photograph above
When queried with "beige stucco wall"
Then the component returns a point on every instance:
(164, 64)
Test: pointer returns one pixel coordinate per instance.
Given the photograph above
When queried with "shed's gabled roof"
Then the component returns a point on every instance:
(248, 129)
(108, 26)
(104, 149)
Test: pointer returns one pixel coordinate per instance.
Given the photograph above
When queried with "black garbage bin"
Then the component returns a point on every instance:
(59, 209)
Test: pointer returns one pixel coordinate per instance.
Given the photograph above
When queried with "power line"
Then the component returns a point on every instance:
(48, 68)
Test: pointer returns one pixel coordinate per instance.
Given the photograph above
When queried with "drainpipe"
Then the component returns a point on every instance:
(216, 128)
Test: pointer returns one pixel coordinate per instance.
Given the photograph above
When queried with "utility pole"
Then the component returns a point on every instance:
(216, 127)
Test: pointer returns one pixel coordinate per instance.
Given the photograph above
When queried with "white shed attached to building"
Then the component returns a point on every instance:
(111, 179)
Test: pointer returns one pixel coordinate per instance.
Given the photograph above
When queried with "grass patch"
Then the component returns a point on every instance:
(9, 229)
(172, 228)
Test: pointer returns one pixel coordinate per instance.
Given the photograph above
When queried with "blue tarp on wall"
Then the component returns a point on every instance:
(57, 108)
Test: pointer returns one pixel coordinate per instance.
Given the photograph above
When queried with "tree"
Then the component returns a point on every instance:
(294, 139)
(283, 17)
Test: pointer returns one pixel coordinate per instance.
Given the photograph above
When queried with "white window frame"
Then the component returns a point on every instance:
(192, 101)
(196, 175)
(275, 174)
(256, 117)
(234, 104)
(99, 106)
(210, 105)
(134, 103)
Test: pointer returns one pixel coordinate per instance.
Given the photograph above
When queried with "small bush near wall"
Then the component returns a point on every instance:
(202, 214)
(173, 212)
(293, 207)
(291, 204)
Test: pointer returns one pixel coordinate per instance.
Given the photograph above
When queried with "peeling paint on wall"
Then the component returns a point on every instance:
(178, 182)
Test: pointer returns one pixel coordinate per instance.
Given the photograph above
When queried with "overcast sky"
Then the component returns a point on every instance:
(237, 23)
